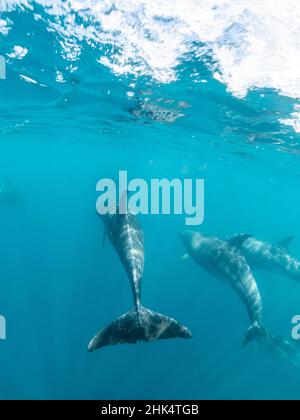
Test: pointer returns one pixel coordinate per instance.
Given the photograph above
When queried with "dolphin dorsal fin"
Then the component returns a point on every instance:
(238, 240)
(285, 243)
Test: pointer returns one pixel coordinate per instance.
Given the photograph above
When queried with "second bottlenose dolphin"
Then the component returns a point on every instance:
(139, 324)
(266, 256)
(223, 260)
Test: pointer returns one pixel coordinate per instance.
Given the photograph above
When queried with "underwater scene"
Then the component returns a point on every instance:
(145, 306)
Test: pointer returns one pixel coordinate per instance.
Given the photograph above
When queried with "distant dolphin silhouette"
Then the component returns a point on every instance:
(266, 256)
(286, 349)
(10, 196)
(223, 260)
(139, 324)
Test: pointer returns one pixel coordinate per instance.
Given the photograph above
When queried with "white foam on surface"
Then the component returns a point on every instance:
(253, 43)
(294, 120)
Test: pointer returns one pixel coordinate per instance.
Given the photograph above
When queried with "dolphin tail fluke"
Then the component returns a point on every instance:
(141, 325)
(255, 332)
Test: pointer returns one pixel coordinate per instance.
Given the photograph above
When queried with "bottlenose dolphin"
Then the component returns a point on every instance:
(266, 256)
(223, 260)
(139, 324)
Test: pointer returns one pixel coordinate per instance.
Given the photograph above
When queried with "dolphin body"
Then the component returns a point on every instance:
(223, 260)
(139, 324)
(274, 258)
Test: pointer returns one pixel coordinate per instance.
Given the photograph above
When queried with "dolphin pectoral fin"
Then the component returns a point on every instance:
(134, 326)
(254, 333)
(103, 239)
(238, 240)
(285, 243)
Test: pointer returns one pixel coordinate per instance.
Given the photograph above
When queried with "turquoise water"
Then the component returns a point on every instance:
(67, 120)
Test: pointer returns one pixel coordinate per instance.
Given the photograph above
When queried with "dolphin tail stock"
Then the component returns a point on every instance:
(141, 325)
(255, 332)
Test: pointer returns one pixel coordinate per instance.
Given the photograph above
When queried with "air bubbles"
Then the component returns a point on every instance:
(18, 53)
